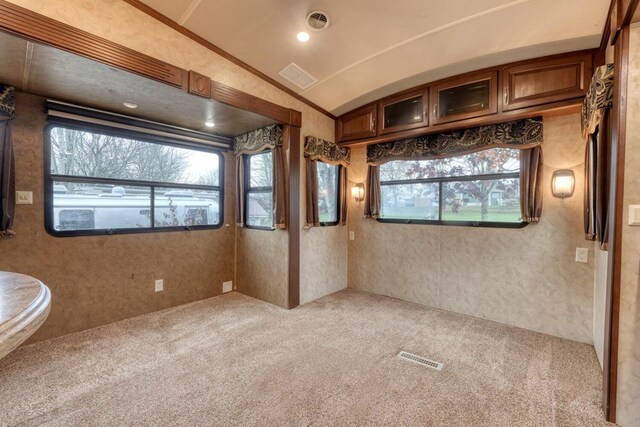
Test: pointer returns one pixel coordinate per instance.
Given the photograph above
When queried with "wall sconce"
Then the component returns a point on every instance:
(563, 183)
(357, 191)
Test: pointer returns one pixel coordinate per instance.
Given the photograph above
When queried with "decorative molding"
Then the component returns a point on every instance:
(200, 40)
(32, 26)
(25, 23)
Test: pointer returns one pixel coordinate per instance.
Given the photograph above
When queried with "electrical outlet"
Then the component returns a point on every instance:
(227, 287)
(582, 255)
(159, 285)
(24, 198)
(352, 235)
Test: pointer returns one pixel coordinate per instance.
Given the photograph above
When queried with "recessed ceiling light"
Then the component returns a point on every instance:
(130, 105)
(209, 124)
(303, 36)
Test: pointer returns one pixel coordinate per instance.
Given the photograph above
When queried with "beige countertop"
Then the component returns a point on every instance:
(24, 305)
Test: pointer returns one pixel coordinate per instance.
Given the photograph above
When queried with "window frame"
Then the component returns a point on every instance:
(338, 186)
(248, 189)
(50, 178)
(441, 181)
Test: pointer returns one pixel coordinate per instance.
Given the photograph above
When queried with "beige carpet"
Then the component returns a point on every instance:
(233, 360)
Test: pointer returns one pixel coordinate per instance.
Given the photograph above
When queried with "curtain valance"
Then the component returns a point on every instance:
(7, 102)
(599, 97)
(326, 151)
(265, 138)
(516, 134)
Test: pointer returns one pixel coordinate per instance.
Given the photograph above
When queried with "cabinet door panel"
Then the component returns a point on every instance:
(403, 112)
(357, 124)
(544, 82)
(463, 98)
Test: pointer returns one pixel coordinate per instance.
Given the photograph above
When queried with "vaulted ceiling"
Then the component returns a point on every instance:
(373, 48)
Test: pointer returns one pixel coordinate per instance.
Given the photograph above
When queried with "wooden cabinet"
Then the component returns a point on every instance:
(466, 97)
(403, 112)
(357, 124)
(541, 82)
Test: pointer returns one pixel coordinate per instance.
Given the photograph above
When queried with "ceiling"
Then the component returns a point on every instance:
(374, 48)
(59, 75)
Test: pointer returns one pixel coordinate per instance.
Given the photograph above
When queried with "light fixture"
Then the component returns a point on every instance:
(209, 124)
(357, 191)
(131, 105)
(303, 36)
(563, 183)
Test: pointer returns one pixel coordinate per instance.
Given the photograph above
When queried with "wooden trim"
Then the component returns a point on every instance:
(237, 98)
(200, 40)
(25, 23)
(600, 56)
(618, 140)
(30, 25)
(295, 186)
(549, 110)
(199, 84)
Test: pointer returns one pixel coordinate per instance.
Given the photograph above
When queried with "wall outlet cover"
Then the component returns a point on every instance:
(227, 287)
(24, 197)
(582, 255)
(352, 235)
(159, 285)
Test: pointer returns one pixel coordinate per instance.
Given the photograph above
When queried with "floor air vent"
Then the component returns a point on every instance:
(420, 360)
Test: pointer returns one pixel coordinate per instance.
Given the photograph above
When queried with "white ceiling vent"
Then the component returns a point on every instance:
(297, 76)
(317, 20)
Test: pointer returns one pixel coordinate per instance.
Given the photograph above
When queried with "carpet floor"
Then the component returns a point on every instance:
(234, 360)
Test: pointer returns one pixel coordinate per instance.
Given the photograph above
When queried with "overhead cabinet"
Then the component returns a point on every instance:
(463, 98)
(518, 90)
(542, 82)
(403, 112)
(357, 124)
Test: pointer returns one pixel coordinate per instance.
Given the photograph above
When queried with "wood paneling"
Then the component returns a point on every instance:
(295, 204)
(358, 124)
(199, 84)
(618, 138)
(193, 36)
(542, 82)
(25, 23)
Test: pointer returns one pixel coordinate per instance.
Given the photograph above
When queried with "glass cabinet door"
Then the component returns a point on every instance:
(404, 112)
(465, 98)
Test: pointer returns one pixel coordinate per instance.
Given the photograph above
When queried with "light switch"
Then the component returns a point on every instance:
(352, 235)
(24, 197)
(634, 215)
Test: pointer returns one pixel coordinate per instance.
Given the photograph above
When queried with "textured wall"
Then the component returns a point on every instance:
(628, 404)
(101, 279)
(523, 277)
(123, 24)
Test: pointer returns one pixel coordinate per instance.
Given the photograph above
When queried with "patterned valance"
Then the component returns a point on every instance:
(326, 151)
(7, 102)
(258, 140)
(517, 134)
(599, 97)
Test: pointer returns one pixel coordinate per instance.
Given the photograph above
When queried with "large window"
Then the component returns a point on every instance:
(478, 189)
(105, 181)
(328, 193)
(259, 190)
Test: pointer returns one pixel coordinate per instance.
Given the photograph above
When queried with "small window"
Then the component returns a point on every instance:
(259, 190)
(104, 181)
(328, 193)
(478, 189)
